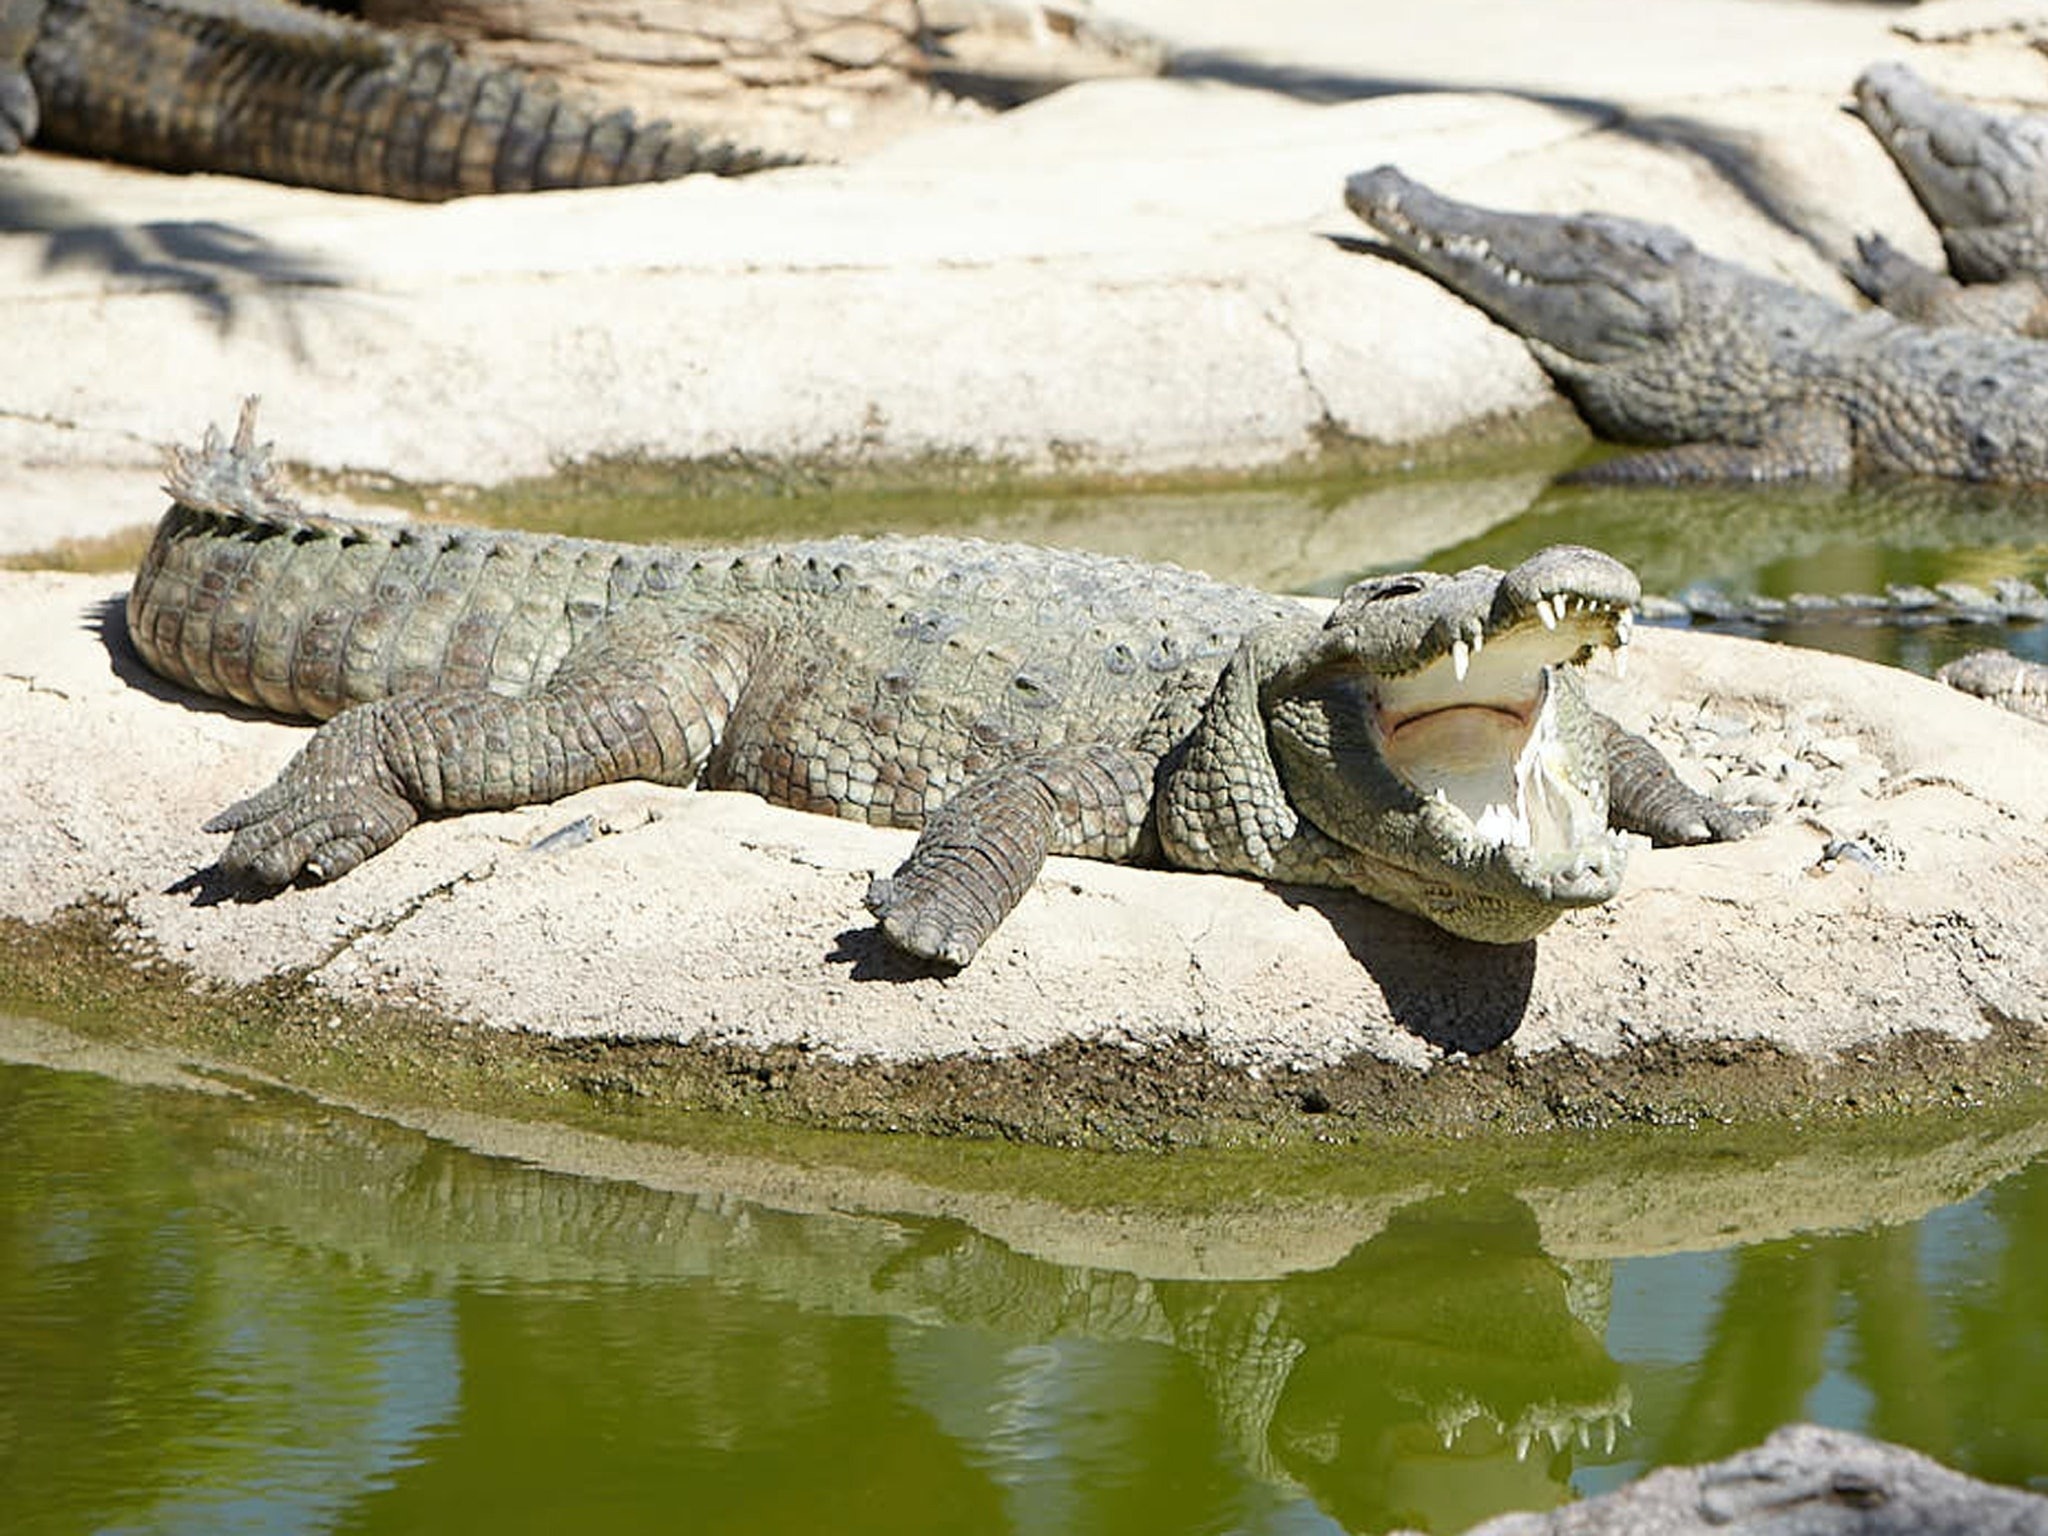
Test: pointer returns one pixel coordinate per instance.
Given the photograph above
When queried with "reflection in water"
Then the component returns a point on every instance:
(222, 1316)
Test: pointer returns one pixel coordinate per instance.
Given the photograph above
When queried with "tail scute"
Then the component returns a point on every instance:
(233, 478)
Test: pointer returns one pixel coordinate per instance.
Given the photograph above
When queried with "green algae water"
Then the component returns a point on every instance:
(243, 1311)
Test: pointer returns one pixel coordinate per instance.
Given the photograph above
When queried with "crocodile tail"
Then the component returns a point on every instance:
(264, 88)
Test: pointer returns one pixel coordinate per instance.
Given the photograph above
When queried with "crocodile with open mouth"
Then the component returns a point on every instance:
(1734, 376)
(1428, 744)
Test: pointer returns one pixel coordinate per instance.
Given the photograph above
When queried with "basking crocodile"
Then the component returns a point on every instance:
(1982, 178)
(2005, 679)
(271, 89)
(1742, 377)
(1429, 745)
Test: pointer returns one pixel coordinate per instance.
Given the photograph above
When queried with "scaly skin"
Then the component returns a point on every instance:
(270, 89)
(1982, 178)
(2003, 678)
(1010, 702)
(1743, 378)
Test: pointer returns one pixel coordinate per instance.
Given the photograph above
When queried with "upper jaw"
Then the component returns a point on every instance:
(1966, 166)
(1593, 287)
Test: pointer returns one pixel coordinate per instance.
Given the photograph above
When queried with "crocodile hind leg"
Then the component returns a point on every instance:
(981, 850)
(647, 700)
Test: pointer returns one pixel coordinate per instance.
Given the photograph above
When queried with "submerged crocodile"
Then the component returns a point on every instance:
(2009, 600)
(1739, 377)
(271, 89)
(1430, 744)
(1982, 178)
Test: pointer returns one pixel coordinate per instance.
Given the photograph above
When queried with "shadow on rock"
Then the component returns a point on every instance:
(214, 887)
(1457, 994)
(221, 266)
(873, 958)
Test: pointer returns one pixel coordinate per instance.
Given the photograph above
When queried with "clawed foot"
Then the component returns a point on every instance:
(915, 919)
(1708, 820)
(335, 805)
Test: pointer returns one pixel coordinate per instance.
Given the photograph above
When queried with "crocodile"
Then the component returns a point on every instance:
(1735, 376)
(2009, 681)
(1982, 178)
(1428, 744)
(270, 89)
(2009, 600)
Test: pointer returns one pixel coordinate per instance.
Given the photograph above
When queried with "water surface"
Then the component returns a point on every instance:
(228, 1314)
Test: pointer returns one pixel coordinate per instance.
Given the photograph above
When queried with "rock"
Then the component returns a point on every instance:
(1804, 1480)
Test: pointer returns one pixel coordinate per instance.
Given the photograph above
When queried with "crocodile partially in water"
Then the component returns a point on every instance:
(1982, 179)
(280, 91)
(1733, 376)
(1429, 744)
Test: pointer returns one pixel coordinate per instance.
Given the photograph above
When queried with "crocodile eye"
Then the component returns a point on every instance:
(1376, 589)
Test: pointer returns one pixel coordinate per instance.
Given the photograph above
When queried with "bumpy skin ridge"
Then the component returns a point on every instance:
(2009, 681)
(266, 88)
(1731, 375)
(1010, 702)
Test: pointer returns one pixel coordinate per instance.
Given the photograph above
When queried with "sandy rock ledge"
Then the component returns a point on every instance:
(1882, 943)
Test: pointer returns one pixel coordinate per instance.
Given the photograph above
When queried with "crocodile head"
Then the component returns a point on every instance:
(1437, 730)
(1981, 177)
(1587, 289)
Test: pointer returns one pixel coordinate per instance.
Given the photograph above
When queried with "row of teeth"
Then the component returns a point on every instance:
(1504, 826)
(1460, 248)
(1551, 611)
(1558, 1425)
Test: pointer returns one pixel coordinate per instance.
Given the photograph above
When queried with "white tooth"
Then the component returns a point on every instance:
(1461, 658)
(1478, 641)
(1624, 626)
(1546, 613)
(1609, 1422)
(1522, 1438)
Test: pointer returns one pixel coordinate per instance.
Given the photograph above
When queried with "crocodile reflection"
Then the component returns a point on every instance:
(1444, 1369)
(341, 1323)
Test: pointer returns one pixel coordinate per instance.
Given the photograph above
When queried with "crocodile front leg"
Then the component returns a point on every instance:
(1646, 795)
(19, 115)
(1892, 280)
(981, 851)
(615, 710)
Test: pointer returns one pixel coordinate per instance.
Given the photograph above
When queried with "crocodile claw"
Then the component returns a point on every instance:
(333, 806)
